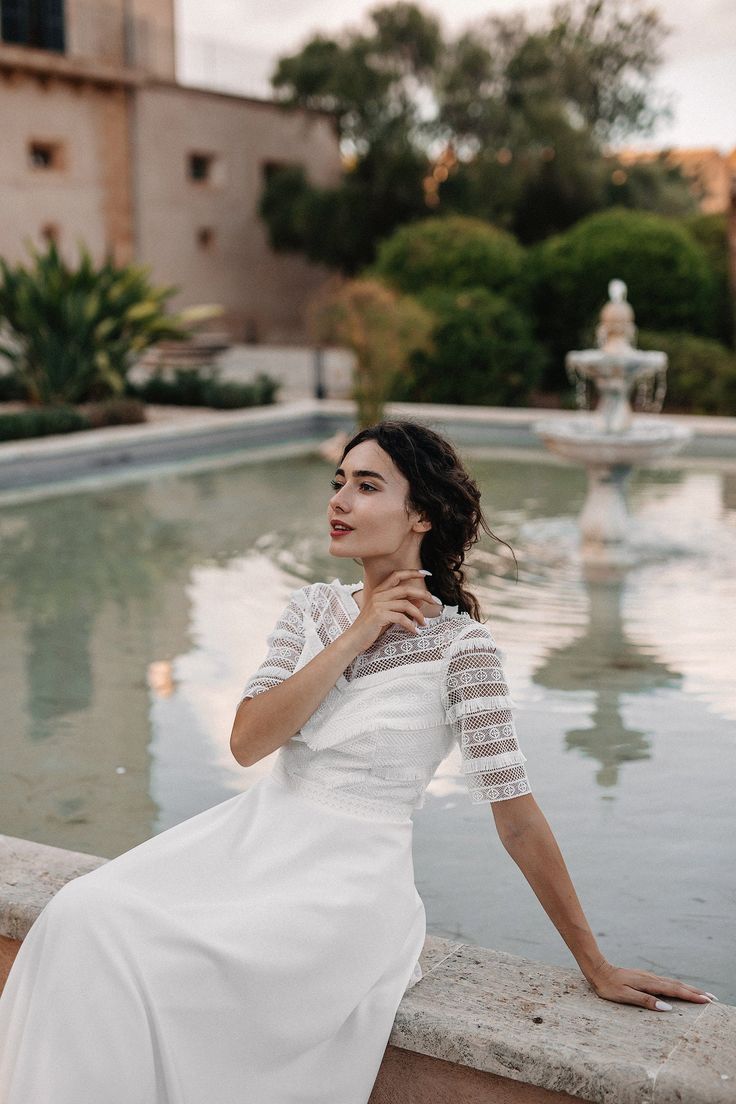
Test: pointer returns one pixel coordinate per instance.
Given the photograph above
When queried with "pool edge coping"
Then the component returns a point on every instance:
(545, 1027)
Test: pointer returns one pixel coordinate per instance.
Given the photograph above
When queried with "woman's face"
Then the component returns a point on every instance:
(370, 495)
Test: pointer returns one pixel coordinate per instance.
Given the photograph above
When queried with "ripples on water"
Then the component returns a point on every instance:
(132, 616)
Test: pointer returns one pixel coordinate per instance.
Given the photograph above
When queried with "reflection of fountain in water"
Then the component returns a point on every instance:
(606, 661)
(610, 441)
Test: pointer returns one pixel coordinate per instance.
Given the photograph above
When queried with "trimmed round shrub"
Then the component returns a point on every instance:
(670, 282)
(711, 234)
(701, 373)
(483, 354)
(453, 252)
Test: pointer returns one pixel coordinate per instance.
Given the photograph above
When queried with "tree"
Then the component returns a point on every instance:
(532, 107)
(506, 122)
(373, 82)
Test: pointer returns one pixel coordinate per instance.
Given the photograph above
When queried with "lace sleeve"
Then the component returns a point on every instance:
(478, 708)
(285, 643)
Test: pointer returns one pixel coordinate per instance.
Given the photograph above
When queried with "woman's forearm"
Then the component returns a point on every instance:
(535, 851)
(267, 720)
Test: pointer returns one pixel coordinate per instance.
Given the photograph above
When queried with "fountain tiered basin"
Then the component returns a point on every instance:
(611, 440)
(584, 440)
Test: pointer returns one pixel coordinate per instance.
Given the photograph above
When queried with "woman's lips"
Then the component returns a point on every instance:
(339, 532)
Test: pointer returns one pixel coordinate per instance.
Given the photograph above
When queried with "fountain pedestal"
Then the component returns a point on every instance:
(604, 518)
(611, 440)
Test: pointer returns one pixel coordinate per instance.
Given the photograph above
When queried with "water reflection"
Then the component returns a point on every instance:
(77, 597)
(605, 662)
(131, 617)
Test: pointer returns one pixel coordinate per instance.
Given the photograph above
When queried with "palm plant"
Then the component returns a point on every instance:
(73, 333)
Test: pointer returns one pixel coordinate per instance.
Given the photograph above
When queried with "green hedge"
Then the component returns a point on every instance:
(42, 422)
(671, 284)
(484, 352)
(192, 387)
(701, 373)
(452, 252)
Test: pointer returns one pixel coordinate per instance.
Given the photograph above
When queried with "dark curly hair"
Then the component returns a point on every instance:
(443, 492)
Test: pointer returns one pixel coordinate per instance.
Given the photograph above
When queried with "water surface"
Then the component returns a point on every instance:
(132, 615)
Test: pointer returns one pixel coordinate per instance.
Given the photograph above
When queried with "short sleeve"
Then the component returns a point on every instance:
(285, 644)
(478, 708)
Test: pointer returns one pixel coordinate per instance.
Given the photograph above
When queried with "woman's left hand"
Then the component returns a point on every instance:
(615, 983)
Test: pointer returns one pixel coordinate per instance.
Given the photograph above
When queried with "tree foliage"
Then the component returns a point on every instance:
(670, 281)
(452, 253)
(482, 353)
(523, 110)
(381, 327)
(701, 373)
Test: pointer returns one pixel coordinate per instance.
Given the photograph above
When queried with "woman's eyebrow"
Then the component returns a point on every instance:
(363, 471)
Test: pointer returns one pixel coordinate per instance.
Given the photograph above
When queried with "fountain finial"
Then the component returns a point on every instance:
(617, 291)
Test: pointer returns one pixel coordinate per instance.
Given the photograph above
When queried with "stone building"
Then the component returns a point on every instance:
(100, 144)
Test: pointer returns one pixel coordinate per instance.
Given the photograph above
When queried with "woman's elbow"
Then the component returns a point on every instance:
(240, 745)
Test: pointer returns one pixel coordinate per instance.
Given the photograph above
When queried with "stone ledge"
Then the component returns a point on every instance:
(483, 1012)
(30, 875)
(544, 1026)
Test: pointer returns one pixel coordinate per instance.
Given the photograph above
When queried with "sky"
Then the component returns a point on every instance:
(233, 45)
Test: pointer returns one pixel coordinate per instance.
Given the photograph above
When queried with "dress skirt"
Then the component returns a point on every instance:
(255, 953)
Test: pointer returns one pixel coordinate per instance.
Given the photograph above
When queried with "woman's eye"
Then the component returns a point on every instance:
(336, 486)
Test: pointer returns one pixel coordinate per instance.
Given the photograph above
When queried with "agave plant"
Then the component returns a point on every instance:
(73, 333)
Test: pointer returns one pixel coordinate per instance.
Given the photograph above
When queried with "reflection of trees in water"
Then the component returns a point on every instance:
(65, 559)
(62, 562)
(605, 661)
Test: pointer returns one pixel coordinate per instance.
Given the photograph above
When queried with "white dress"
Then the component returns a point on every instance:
(258, 951)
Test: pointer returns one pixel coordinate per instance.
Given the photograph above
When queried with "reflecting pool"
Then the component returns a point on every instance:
(132, 614)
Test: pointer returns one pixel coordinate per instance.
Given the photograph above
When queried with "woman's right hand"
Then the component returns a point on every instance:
(395, 601)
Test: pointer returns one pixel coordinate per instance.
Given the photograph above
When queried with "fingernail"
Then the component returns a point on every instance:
(663, 1006)
(435, 599)
(423, 571)
(713, 997)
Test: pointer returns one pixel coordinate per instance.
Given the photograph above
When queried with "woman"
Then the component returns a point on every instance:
(259, 950)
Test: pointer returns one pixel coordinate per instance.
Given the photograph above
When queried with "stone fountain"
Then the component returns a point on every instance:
(611, 440)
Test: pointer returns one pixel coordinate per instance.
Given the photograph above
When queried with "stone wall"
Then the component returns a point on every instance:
(98, 144)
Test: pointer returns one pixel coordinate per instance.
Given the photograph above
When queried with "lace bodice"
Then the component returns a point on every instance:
(377, 738)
